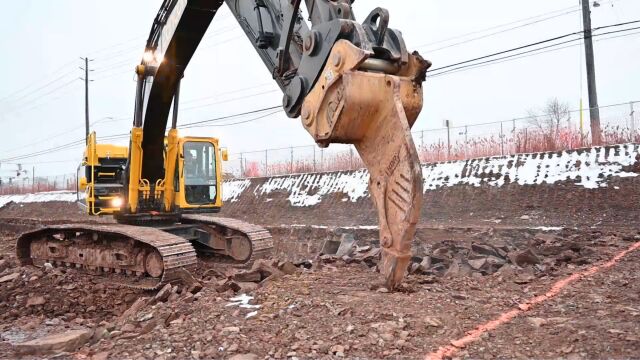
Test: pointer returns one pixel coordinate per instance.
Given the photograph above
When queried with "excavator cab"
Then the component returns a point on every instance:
(197, 180)
(199, 175)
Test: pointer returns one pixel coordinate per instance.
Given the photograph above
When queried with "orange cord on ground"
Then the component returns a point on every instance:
(475, 334)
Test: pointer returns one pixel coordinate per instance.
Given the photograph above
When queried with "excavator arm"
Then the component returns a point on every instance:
(350, 82)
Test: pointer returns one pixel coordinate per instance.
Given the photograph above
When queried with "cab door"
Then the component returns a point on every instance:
(199, 186)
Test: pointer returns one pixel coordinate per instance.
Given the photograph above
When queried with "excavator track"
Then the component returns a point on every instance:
(132, 256)
(259, 237)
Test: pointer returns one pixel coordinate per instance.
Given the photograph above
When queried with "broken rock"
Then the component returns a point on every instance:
(244, 357)
(247, 276)
(369, 257)
(164, 293)
(288, 268)
(537, 322)
(485, 249)
(524, 258)
(133, 310)
(430, 321)
(247, 287)
(35, 301)
(230, 330)
(477, 264)
(347, 245)
(9, 277)
(266, 269)
(226, 285)
(101, 356)
(67, 341)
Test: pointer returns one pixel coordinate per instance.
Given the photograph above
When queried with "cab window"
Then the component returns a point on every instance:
(199, 173)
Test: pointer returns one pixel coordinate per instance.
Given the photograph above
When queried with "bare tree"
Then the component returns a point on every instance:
(550, 119)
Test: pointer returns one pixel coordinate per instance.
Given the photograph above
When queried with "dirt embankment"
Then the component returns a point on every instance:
(599, 186)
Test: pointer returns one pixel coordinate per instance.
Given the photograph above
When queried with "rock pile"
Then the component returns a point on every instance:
(449, 258)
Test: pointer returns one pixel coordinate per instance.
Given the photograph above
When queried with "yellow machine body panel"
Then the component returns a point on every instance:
(103, 165)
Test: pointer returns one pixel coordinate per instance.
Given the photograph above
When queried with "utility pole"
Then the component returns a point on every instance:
(448, 125)
(350, 158)
(466, 141)
(33, 179)
(594, 110)
(266, 163)
(291, 166)
(86, 96)
(501, 139)
(633, 122)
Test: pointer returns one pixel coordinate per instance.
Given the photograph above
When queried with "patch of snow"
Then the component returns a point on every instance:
(251, 314)
(362, 227)
(549, 228)
(232, 189)
(243, 302)
(309, 189)
(65, 196)
(590, 168)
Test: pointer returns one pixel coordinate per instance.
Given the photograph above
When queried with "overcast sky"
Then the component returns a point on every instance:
(42, 40)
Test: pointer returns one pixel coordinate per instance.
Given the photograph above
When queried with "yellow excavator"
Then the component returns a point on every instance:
(349, 82)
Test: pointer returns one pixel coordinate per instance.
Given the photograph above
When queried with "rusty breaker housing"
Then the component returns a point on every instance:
(375, 111)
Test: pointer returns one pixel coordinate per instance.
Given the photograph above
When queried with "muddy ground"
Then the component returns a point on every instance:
(334, 309)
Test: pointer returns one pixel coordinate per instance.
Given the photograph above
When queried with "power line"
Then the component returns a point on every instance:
(40, 97)
(35, 91)
(553, 14)
(494, 27)
(519, 55)
(529, 45)
(528, 117)
(501, 31)
(189, 125)
(61, 68)
(236, 123)
(125, 135)
(230, 100)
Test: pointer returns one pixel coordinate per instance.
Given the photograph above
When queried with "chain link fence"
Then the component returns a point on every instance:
(534, 133)
(25, 183)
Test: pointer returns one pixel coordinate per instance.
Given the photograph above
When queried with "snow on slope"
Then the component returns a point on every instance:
(588, 168)
(68, 196)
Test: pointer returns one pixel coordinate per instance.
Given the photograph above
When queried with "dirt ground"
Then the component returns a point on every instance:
(334, 309)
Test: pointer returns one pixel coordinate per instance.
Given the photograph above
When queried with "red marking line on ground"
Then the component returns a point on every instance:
(475, 334)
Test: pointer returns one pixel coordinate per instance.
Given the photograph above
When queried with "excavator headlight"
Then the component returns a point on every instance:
(117, 202)
(148, 57)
